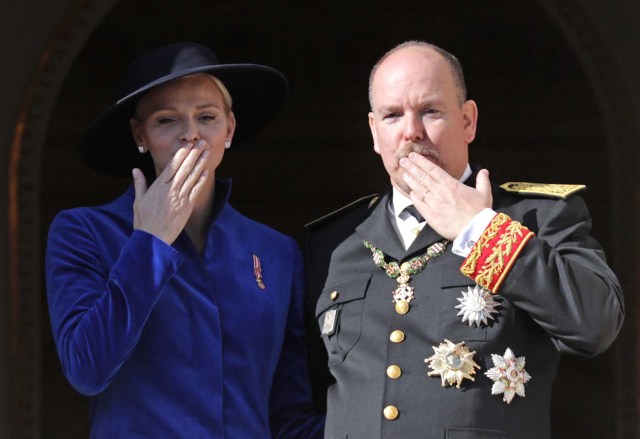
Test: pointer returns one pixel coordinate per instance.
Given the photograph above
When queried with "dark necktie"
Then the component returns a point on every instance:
(411, 210)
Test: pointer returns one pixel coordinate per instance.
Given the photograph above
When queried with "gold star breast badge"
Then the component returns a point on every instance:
(453, 363)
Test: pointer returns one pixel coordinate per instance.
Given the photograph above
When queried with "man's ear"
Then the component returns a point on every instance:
(470, 120)
(374, 134)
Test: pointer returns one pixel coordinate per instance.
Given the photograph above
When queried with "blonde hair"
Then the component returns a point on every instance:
(227, 100)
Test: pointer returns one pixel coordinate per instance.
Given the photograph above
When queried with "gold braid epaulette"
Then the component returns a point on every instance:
(495, 252)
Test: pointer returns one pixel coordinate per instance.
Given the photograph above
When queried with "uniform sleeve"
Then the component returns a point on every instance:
(98, 312)
(558, 274)
(291, 406)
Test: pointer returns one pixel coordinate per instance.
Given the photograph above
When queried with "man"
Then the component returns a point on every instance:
(455, 332)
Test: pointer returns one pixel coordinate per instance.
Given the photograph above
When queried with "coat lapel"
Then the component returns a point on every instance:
(377, 229)
(426, 237)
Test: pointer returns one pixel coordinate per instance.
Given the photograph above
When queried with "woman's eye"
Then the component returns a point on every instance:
(207, 117)
(164, 120)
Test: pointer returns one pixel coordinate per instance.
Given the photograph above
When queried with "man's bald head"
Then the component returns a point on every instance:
(453, 62)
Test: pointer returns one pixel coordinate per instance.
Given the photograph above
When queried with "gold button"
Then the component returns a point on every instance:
(390, 412)
(394, 372)
(402, 307)
(334, 295)
(397, 336)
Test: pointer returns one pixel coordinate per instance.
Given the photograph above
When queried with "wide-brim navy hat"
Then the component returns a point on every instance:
(257, 91)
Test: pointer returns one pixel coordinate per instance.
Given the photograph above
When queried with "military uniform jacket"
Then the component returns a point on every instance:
(559, 296)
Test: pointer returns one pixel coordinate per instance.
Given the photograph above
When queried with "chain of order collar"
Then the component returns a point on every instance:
(412, 266)
(403, 294)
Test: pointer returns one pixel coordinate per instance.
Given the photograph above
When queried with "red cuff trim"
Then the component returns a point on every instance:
(493, 255)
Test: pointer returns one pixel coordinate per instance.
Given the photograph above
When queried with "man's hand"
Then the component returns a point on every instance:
(164, 208)
(446, 204)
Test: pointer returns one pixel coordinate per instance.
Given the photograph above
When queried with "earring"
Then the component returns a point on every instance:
(227, 144)
(141, 149)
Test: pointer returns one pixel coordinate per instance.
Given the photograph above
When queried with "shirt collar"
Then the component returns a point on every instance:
(399, 202)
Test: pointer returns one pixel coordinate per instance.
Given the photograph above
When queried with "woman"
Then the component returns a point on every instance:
(176, 314)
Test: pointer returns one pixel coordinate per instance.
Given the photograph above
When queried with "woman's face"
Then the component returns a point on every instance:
(187, 109)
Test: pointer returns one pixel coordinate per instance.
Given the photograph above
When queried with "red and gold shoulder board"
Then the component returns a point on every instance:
(543, 189)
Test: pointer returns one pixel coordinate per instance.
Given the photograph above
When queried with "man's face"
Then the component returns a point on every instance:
(416, 108)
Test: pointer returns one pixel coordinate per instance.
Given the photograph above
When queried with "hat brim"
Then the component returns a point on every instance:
(257, 91)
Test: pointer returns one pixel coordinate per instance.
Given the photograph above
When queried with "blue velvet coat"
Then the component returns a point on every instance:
(173, 345)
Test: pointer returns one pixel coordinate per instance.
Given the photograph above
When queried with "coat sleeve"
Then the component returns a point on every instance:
(561, 278)
(291, 407)
(98, 311)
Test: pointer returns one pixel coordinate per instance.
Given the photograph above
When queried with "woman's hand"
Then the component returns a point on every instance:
(164, 208)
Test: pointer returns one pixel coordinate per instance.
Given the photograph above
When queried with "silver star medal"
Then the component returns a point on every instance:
(508, 375)
(476, 305)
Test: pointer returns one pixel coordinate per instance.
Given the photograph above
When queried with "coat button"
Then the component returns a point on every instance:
(402, 307)
(334, 295)
(397, 336)
(394, 372)
(390, 412)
